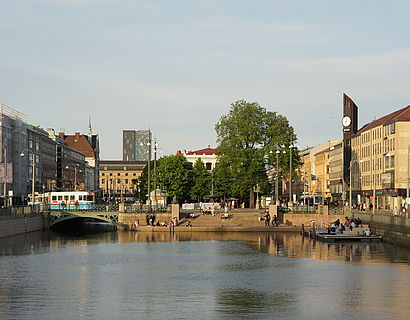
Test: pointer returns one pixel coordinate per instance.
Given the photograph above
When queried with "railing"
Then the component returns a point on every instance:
(303, 209)
(138, 208)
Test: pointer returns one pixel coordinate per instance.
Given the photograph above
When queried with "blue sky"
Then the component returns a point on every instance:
(176, 66)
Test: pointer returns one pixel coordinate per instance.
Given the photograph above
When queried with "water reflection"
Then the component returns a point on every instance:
(125, 275)
(290, 245)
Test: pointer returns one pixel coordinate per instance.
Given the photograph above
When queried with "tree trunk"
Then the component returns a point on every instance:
(251, 200)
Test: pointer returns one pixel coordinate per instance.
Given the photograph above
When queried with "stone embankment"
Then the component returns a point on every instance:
(395, 229)
(196, 221)
(20, 221)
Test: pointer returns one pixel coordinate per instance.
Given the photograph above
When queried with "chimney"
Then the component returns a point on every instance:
(77, 136)
(61, 135)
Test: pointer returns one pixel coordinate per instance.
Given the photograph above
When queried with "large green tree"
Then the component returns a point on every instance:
(174, 175)
(248, 138)
(202, 181)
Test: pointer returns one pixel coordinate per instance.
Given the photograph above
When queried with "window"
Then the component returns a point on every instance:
(110, 174)
(126, 174)
(102, 180)
(392, 129)
(118, 174)
(103, 174)
(30, 144)
(66, 198)
(208, 166)
(80, 197)
(60, 198)
(126, 180)
(72, 197)
(386, 162)
(119, 181)
(392, 162)
(54, 198)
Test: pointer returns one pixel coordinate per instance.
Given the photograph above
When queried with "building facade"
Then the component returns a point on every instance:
(207, 156)
(13, 136)
(44, 148)
(89, 146)
(136, 145)
(314, 171)
(337, 190)
(381, 161)
(120, 179)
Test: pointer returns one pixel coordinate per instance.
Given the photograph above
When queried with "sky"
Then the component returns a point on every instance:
(176, 66)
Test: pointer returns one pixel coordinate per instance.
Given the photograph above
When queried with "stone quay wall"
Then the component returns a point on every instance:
(23, 224)
(320, 220)
(395, 229)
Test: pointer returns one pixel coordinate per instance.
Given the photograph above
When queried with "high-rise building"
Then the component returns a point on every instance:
(136, 145)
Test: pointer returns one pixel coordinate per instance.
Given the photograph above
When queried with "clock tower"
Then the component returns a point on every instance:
(349, 125)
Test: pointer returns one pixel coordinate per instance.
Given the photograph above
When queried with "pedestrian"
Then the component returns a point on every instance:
(267, 219)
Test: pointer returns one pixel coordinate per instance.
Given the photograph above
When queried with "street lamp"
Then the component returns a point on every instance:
(34, 175)
(350, 179)
(277, 174)
(75, 165)
(149, 167)
(5, 175)
(291, 146)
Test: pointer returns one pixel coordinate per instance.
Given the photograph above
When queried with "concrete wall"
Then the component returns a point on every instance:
(129, 219)
(393, 229)
(321, 220)
(15, 226)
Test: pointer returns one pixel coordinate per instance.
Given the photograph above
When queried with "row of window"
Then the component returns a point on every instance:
(119, 174)
(376, 134)
(111, 180)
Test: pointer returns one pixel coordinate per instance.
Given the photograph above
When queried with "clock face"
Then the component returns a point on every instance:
(346, 121)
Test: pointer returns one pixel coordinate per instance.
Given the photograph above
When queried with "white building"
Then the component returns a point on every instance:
(208, 157)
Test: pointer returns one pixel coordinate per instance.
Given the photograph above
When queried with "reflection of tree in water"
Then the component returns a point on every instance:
(245, 302)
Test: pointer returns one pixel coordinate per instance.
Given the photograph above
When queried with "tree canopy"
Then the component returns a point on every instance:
(248, 138)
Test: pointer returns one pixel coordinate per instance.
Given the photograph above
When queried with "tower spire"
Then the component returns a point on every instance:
(90, 130)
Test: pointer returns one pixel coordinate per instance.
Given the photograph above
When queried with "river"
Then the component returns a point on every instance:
(134, 275)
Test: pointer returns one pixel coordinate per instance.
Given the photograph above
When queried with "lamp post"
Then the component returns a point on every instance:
(408, 182)
(277, 178)
(277, 173)
(149, 167)
(75, 173)
(34, 174)
(155, 173)
(351, 182)
(291, 146)
(5, 175)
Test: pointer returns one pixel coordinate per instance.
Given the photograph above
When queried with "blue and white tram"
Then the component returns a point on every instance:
(71, 200)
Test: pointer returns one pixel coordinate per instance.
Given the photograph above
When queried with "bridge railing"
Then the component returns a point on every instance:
(145, 208)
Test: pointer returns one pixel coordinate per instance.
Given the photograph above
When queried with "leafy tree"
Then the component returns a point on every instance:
(248, 138)
(202, 181)
(174, 175)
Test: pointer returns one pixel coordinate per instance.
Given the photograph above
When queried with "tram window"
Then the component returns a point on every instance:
(60, 198)
(72, 197)
(90, 198)
(54, 198)
(80, 197)
(66, 198)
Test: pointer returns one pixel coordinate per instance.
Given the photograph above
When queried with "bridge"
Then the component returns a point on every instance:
(57, 216)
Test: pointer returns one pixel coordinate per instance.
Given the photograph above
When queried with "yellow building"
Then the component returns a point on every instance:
(380, 160)
(119, 179)
(315, 169)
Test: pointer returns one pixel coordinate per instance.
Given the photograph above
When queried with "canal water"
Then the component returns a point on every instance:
(134, 275)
